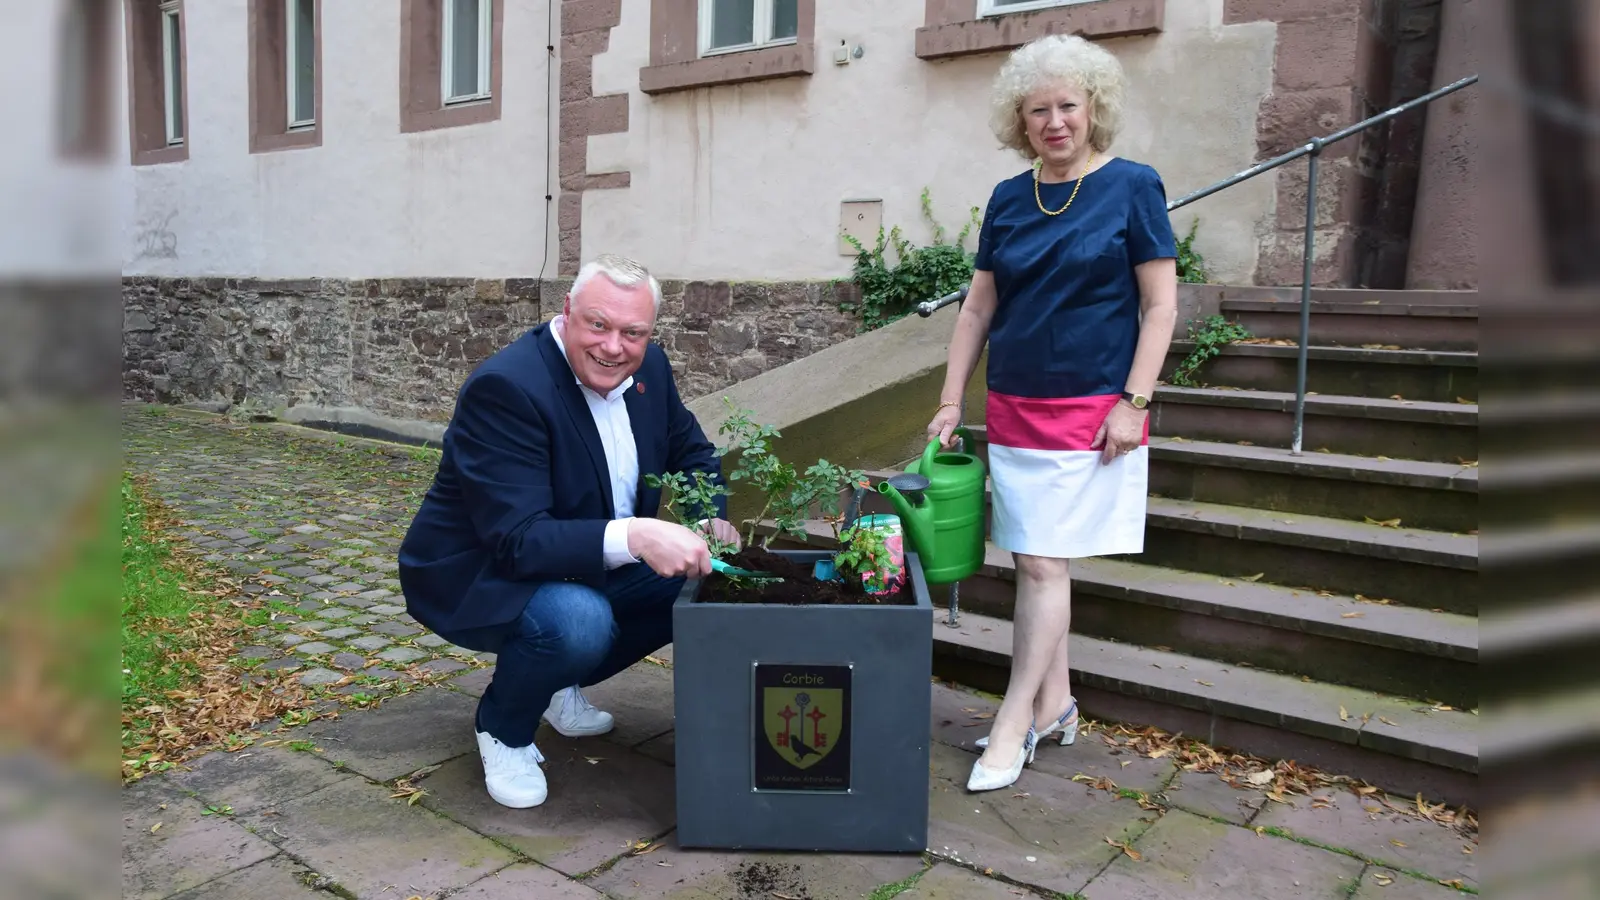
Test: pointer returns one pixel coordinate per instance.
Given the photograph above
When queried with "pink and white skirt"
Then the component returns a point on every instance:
(1052, 494)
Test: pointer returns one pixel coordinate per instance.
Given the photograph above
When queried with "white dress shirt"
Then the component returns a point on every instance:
(610, 413)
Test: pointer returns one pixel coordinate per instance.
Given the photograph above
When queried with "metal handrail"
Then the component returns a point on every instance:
(1312, 149)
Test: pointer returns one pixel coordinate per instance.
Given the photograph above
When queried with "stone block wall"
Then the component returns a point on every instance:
(400, 348)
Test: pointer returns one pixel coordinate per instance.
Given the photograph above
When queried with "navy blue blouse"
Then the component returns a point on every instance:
(1067, 319)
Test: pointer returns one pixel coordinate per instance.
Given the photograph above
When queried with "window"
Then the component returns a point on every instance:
(468, 41)
(300, 54)
(172, 70)
(728, 26)
(452, 57)
(1002, 7)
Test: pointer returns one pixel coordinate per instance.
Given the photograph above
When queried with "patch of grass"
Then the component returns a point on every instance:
(157, 608)
(182, 691)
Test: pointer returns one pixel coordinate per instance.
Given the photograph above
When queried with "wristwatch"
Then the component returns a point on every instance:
(1139, 401)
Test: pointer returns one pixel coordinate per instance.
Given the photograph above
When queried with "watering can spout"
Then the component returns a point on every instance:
(905, 492)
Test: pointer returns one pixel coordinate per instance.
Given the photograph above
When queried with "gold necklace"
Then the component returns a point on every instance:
(1075, 187)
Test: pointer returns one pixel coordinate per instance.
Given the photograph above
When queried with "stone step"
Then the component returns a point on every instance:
(1527, 566)
(1437, 375)
(1441, 496)
(1541, 649)
(1399, 429)
(1409, 566)
(1387, 648)
(1365, 296)
(1542, 487)
(1402, 745)
(1354, 322)
(1529, 424)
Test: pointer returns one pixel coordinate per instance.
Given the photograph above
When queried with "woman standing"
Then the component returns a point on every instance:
(1075, 291)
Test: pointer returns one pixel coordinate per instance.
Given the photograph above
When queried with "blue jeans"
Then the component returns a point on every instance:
(568, 634)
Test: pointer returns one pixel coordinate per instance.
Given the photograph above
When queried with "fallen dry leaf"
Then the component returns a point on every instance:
(1344, 714)
(1131, 853)
(1258, 779)
(1353, 615)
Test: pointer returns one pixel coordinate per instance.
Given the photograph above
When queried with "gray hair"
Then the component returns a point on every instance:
(621, 271)
(1051, 60)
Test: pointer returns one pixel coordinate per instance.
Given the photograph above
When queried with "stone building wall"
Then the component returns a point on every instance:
(400, 348)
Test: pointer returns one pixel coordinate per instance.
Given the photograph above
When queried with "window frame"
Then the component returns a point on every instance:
(485, 50)
(291, 40)
(172, 82)
(761, 24)
(988, 9)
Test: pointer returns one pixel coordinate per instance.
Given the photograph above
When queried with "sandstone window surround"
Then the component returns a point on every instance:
(451, 60)
(158, 101)
(285, 74)
(702, 43)
(964, 27)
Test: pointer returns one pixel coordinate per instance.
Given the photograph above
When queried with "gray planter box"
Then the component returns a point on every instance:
(849, 685)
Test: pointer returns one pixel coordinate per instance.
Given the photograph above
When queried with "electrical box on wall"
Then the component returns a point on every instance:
(860, 219)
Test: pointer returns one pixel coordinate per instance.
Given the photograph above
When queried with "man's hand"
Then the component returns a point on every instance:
(669, 549)
(722, 530)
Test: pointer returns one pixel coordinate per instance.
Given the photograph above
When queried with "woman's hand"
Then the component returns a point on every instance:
(1122, 430)
(944, 425)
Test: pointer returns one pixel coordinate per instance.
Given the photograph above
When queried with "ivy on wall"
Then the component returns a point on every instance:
(894, 276)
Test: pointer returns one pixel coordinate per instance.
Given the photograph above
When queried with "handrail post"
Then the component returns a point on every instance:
(1313, 155)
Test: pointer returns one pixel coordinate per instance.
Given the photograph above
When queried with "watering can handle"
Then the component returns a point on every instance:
(933, 447)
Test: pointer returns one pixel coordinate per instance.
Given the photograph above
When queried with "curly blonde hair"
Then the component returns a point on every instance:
(1051, 60)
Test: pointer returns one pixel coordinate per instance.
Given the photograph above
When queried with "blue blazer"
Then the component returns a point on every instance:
(523, 494)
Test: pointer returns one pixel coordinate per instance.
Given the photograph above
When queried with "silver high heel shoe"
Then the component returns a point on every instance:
(984, 778)
(1069, 730)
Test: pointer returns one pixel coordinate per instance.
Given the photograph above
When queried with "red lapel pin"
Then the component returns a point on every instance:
(638, 386)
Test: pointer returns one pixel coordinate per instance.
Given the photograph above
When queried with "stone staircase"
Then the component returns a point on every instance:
(1322, 607)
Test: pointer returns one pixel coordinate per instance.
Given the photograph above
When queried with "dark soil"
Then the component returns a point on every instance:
(764, 881)
(798, 588)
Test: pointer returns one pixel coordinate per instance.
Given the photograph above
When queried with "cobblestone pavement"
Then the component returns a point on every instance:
(388, 802)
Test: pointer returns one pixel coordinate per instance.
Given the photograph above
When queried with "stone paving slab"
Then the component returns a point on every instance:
(959, 719)
(950, 882)
(673, 873)
(278, 878)
(1044, 831)
(603, 798)
(640, 698)
(1205, 794)
(425, 727)
(357, 834)
(171, 843)
(526, 882)
(256, 778)
(1183, 855)
(1365, 826)
(1386, 884)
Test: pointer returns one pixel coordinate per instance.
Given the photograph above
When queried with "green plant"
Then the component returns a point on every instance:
(691, 501)
(862, 554)
(1209, 339)
(894, 276)
(1191, 264)
(789, 495)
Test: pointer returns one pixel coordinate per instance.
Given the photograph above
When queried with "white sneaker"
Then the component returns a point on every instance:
(512, 774)
(573, 716)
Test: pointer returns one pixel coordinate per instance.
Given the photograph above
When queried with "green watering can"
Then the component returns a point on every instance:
(940, 501)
